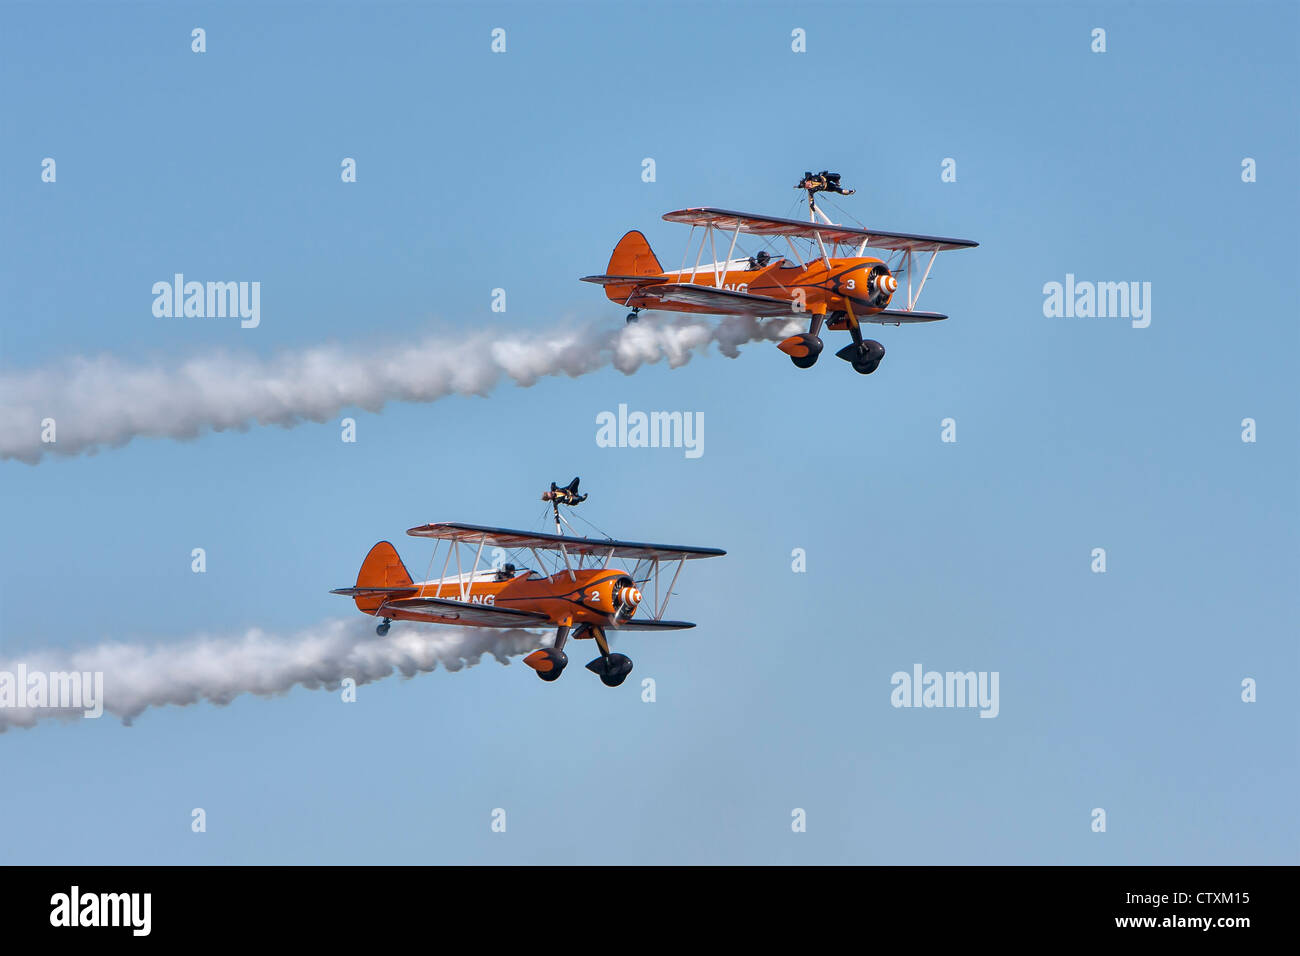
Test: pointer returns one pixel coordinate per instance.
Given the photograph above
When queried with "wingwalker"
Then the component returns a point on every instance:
(839, 291)
(577, 590)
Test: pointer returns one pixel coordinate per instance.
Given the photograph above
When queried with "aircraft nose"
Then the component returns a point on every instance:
(629, 596)
(888, 285)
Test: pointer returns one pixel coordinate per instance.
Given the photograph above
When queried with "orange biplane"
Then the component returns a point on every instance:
(839, 287)
(582, 595)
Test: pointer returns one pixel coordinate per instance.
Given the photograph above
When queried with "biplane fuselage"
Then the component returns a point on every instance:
(838, 287)
(584, 595)
(834, 291)
(589, 597)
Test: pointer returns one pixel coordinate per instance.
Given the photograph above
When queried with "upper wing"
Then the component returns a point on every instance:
(729, 221)
(506, 538)
(720, 301)
(477, 615)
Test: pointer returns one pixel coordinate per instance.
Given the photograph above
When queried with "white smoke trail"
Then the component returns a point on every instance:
(139, 676)
(98, 402)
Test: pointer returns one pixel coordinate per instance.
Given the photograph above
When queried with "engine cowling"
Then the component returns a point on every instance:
(617, 597)
(869, 286)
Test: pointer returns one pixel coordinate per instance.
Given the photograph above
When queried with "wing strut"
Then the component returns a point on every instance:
(466, 585)
(713, 251)
(912, 300)
(669, 593)
(443, 576)
(730, 252)
(822, 246)
(460, 575)
(687, 251)
(794, 252)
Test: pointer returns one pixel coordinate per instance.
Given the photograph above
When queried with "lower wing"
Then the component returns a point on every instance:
(719, 301)
(901, 316)
(444, 611)
(635, 625)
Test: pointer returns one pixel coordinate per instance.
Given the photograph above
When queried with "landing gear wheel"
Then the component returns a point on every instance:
(612, 670)
(868, 357)
(548, 662)
(803, 349)
(632, 317)
(382, 629)
(814, 344)
(618, 667)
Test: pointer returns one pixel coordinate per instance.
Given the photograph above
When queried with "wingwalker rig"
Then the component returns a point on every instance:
(828, 276)
(568, 495)
(573, 586)
(823, 182)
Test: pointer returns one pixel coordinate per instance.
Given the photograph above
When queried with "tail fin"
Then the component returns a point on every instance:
(632, 257)
(381, 569)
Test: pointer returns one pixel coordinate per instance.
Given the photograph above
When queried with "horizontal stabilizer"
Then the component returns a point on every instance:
(624, 280)
(353, 592)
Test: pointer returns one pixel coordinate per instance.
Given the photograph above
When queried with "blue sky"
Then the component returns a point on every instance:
(520, 170)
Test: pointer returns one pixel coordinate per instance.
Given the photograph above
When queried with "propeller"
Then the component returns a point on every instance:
(627, 596)
(881, 283)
